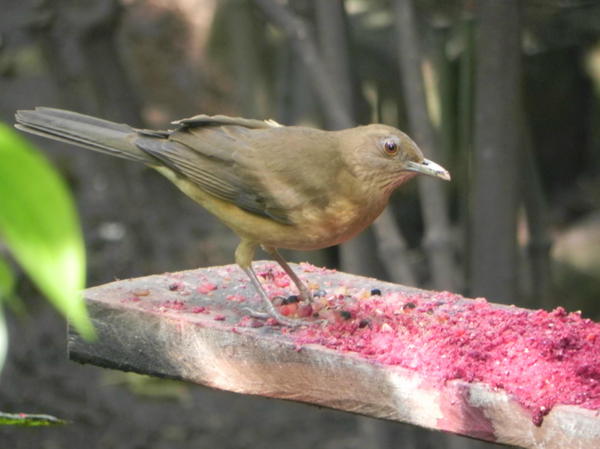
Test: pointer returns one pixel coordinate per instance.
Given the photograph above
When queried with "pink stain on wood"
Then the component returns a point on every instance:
(236, 298)
(206, 287)
(460, 416)
(173, 305)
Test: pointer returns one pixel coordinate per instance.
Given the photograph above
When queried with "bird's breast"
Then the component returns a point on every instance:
(337, 222)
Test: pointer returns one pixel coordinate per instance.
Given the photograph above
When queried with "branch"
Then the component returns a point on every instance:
(405, 355)
(300, 37)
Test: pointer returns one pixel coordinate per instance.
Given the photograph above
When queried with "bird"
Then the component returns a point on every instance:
(275, 186)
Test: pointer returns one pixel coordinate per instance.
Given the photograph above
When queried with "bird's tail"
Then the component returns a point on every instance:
(89, 132)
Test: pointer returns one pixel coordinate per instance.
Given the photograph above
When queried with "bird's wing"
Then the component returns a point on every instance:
(224, 120)
(210, 152)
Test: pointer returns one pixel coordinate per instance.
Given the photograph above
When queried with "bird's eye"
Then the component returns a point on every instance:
(390, 147)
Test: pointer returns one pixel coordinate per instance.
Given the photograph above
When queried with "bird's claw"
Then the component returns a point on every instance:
(281, 319)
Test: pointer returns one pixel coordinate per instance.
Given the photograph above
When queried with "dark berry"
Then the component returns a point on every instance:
(290, 299)
(375, 292)
(345, 314)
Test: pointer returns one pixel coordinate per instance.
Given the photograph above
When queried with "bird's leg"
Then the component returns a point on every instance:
(243, 257)
(303, 289)
(271, 310)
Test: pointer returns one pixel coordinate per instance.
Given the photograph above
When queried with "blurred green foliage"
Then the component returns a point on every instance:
(40, 227)
(27, 420)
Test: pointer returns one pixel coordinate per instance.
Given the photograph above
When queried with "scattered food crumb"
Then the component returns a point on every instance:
(173, 305)
(144, 292)
(174, 286)
(281, 282)
(288, 309)
(206, 287)
(305, 311)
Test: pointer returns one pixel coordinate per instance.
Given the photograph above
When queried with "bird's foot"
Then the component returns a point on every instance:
(280, 318)
(272, 311)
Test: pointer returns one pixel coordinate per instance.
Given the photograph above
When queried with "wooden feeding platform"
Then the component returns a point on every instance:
(529, 378)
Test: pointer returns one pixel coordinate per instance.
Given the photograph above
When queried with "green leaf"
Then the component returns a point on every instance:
(39, 224)
(25, 419)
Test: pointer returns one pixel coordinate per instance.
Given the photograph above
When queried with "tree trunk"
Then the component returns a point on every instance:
(536, 210)
(247, 72)
(493, 265)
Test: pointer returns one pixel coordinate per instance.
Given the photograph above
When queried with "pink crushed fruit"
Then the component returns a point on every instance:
(540, 358)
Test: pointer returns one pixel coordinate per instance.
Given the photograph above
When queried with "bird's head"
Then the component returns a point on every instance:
(387, 156)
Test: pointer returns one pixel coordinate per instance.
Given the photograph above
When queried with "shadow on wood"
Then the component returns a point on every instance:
(386, 351)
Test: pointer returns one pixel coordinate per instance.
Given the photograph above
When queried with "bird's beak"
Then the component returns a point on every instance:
(430, 168)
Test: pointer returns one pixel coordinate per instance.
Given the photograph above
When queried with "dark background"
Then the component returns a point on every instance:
(504, 94)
